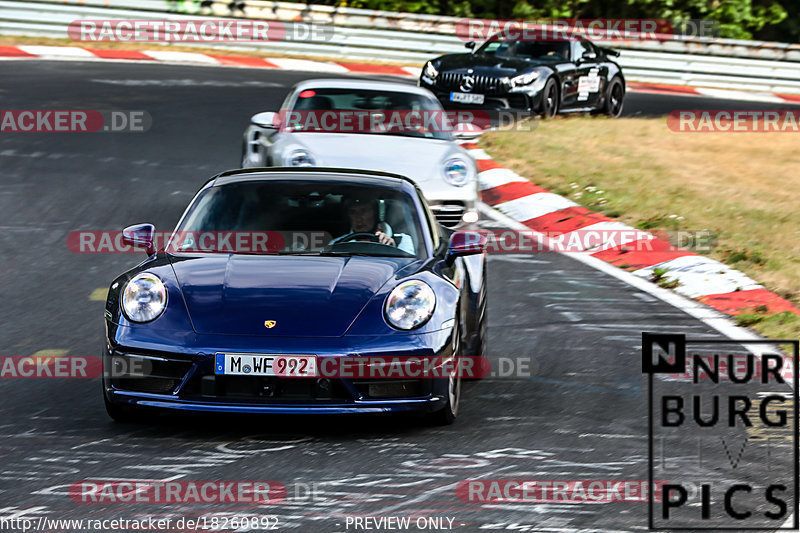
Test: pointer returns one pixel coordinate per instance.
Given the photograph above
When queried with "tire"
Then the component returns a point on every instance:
(550, 100)
(615, 98)
(447, 415)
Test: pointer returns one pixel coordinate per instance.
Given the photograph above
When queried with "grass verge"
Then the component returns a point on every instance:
(741, 186)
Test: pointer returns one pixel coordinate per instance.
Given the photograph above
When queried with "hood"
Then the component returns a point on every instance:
(306, 296)
(388, 153)
(496, 67)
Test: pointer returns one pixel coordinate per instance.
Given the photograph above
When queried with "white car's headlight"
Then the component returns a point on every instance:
(430, 71)
(456, 172)
(410, 304)
(524, 79)
(300, 158)
(144, 298)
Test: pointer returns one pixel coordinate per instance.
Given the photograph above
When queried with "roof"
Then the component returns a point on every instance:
(348, 83)
(365, 177)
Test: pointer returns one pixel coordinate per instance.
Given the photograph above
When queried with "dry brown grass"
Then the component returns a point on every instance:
(743, 186)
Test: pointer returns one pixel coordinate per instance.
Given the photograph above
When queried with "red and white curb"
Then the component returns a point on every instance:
(175, 57)
(704, 279)
(332, 67)
(712, 92)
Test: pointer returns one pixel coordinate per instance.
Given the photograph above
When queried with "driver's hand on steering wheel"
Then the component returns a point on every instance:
(385, 239)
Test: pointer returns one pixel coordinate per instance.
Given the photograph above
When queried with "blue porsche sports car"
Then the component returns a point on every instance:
(294, 291)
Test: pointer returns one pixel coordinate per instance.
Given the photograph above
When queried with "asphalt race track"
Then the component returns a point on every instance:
(581, 415)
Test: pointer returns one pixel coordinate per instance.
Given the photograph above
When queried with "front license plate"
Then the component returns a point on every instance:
(245, 364)
(465, 98)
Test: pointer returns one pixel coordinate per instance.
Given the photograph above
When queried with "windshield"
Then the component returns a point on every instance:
(539, 50)
(368, 112)
(300, 218)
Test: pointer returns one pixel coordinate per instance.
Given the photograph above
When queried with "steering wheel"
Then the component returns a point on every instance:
(357, 234)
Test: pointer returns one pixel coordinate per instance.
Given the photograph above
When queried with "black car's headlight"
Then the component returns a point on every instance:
(430, 71)
(456, 172)
(144, 298)
(300, 158)
(524, 79)
(410, 304)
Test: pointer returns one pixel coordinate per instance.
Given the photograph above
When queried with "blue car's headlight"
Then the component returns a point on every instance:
(144, 298)
(300, 158)
(456, 172)
(410, 304)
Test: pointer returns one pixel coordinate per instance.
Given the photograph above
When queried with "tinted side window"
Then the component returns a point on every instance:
(579, 47)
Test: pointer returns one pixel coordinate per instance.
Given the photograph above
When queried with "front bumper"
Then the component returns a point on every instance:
(525, 100)
(139, 374)
(154, 401)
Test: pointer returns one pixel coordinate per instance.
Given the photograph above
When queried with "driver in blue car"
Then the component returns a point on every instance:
(363, 216)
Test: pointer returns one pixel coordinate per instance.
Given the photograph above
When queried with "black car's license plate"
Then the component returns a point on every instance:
(467, 98)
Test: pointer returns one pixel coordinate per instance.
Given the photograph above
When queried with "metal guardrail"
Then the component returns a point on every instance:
(418, 23)
(360, 34)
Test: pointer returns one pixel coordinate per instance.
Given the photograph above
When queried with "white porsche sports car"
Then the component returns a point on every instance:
(371, 125)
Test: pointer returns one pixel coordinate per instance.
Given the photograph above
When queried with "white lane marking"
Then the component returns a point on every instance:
(496, 177)
(180, 57)
(15, 513)
(58, 51)
(306, 65)
(644, 297)
(534, 205)
(731, 94)
(699, 276)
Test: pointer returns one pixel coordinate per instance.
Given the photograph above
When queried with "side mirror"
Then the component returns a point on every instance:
(266, 119)
(140, 236)
(470, 45)
(588, 56)
(463, 243)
